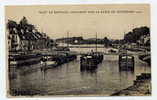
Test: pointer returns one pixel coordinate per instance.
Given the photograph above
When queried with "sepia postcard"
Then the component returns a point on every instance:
(78, 50)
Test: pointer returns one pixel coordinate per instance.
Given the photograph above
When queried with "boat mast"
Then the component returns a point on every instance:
(67, 39)
(125, 48)
(96, 41)
(62, 42)
(126, 44)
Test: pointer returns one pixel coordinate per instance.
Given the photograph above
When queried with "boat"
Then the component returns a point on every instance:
(19, 60)
(90, 60)
(51, 61)
(47, 62)
(112, 51)
(64, 58)
(126, 62)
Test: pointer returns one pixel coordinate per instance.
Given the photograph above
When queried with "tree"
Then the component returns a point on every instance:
(11, 24)
(134, 35)
(106, 41)
(24, 21)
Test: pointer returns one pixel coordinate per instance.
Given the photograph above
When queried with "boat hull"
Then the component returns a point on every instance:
(90, 62)
(126, 63)
(23, 60)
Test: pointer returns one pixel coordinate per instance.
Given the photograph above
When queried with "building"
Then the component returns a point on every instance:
(25, 37)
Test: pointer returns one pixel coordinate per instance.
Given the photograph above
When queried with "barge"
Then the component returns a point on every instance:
(23, 59)
(126, 62)
(90, 61)
(50, 61)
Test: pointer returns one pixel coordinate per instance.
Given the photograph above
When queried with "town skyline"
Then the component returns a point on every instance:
(56, 26)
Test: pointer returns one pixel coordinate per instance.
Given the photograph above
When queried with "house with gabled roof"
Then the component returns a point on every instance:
(25, 37)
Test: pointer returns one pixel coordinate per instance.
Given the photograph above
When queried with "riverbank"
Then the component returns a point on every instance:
(141, 87)
(146, 58)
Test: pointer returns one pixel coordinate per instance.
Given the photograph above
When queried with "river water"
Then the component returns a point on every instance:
(67, 79)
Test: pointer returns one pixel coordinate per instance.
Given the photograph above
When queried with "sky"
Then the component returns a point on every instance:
(107, 20)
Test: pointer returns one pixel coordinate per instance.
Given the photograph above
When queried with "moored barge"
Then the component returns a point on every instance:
(24, 59)
(126, 62)
(90, 61)
(50, 61)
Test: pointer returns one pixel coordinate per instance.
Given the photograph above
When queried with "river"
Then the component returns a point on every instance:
(67, 79)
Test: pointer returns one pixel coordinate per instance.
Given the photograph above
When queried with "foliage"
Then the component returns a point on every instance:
(135, 34)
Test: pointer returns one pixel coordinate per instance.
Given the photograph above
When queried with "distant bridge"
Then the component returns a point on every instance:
(83, 46)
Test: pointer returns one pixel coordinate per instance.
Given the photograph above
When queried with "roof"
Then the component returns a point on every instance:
(31, 36)
(38, 35)
(27, 36)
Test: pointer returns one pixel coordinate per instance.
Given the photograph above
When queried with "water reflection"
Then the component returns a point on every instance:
(43, 73)
(92, 70)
